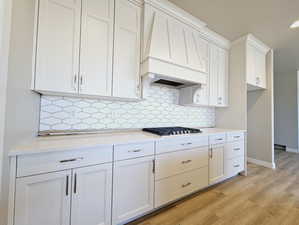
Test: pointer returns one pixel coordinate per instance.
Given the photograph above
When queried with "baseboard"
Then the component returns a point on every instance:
(261, 163)
(294, 150)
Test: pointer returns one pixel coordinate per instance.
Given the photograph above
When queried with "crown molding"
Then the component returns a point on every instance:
(250, 38)
(216, 38)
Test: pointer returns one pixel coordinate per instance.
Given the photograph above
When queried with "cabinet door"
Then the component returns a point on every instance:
(214, 71)
(126, 77)
(223, 78)
(261, 68)
(57, 53)
(251, 67)
(43, 199)
(133, 188)
(218, 77)
(96, 47)
(216, 164)
(91, 201)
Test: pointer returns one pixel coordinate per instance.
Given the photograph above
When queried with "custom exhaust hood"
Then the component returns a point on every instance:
(174, 53)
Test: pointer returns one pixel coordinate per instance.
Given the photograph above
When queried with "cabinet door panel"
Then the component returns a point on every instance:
(251, 67)
(43, 199)
(126, 50)
(96, 47)
(216, 164)
(214, 71)
(91, 202)
(261, 68)
(133, 188)
(223, 78)
(58, 46)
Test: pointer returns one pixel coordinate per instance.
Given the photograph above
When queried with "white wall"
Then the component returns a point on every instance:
(260, 121)
(286, 108)
(22, 107)
(5, 6)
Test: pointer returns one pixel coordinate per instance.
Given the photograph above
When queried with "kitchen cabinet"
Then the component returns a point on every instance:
(78, 196)
(218, 83)
(96, 53)
(256, 66)
(91, 197)
(126, 72)
(216, 163)
(43, 199)
(133, 188)
(77, 52)
(58, 41)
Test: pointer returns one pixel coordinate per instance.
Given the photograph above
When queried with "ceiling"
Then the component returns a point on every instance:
(268, 20)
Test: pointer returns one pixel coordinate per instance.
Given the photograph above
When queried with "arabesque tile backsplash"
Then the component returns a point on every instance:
(159, 108)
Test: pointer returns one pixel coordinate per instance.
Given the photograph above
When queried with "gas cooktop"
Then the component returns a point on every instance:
(166, 131)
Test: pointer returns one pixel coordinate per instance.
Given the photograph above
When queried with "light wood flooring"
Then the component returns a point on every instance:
(264, 197)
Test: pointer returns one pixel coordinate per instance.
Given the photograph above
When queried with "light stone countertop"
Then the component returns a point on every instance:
(73, 142)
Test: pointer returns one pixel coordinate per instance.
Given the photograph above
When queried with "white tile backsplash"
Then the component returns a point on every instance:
(160, 108)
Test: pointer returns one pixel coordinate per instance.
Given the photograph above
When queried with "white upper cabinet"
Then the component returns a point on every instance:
(218, 76)
(77, 50)
(126, 73)
(96, 47)
(256, 53)
(43, 199)
(58, 41)
(91, 201)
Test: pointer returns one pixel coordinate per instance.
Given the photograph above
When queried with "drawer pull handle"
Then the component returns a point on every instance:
(237, 136)
(186, 185)
(236, 166)
(237, 149)
(71, 160)
(136, 150)
(187, 161)
(219, 139)
(189, 143)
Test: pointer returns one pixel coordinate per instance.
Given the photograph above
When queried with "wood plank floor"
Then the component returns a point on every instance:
(264, 197)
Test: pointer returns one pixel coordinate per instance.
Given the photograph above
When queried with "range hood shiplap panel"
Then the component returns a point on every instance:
(173, 49)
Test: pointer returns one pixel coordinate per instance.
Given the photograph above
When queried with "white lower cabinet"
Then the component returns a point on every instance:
(50, 199)
(133, 188)
(216, 163)
(175, 187)
(91, 197)
(43, 199)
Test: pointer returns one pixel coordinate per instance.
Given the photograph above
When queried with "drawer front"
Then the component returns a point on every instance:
(217, 139)
(56, 161)
(131, 151)
(179, 162)
(179, 143)
(234, 166)
(170, 189)
(235, 136)
(234, 149)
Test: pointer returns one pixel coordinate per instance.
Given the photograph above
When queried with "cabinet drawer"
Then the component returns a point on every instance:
(130, 151)
(171, 144)
(217, 139)
(179, 162)
(235, 136)
(170, 189)
(234, 149)
(234, 166)
(56, 161)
